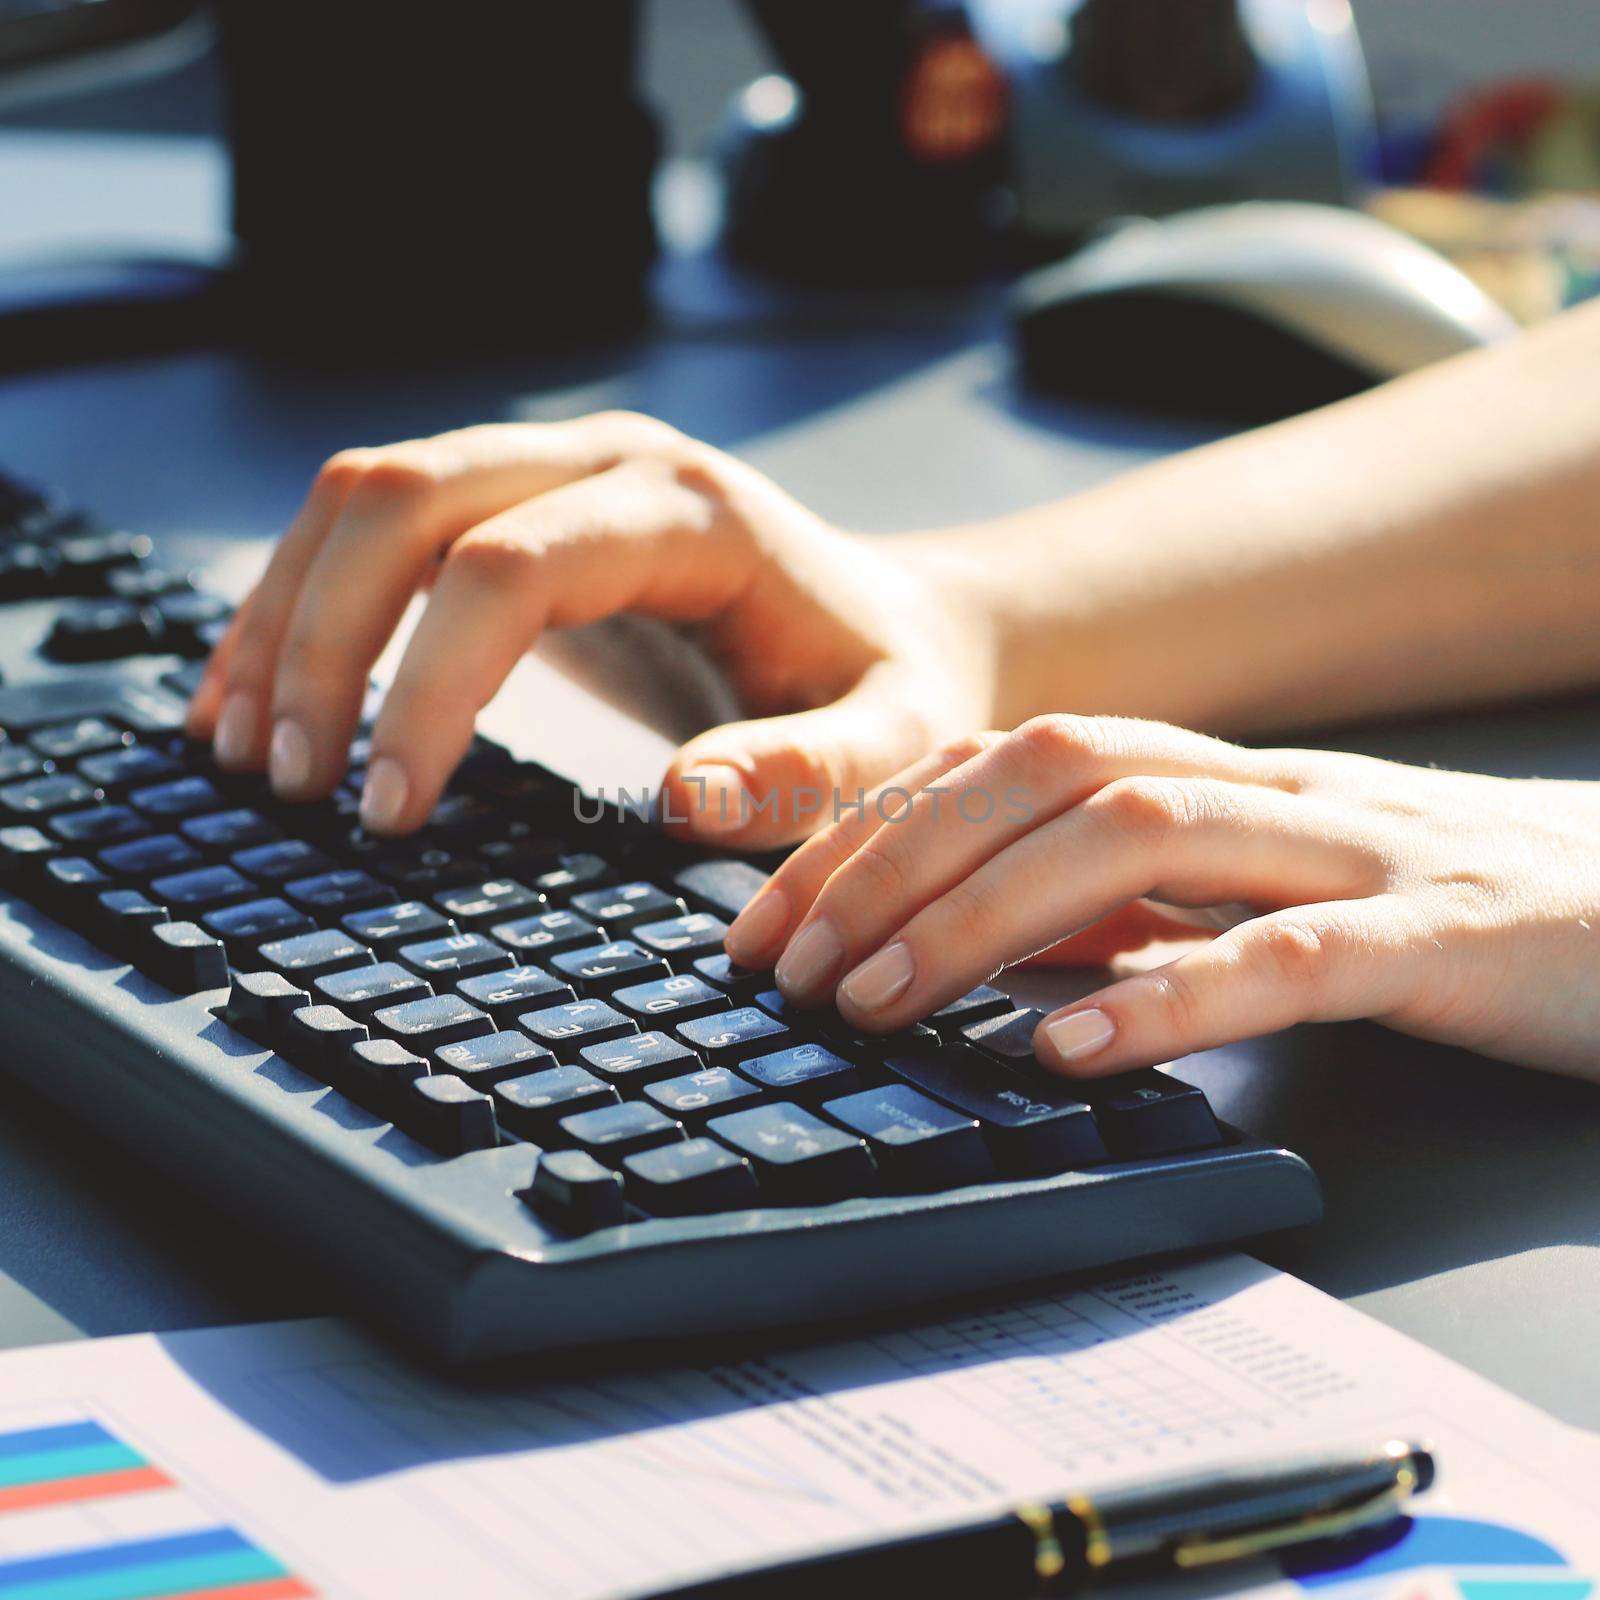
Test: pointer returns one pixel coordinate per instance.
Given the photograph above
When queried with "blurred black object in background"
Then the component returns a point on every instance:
(877, 155)
(47, 43)
(1166, 63)
(470, 176)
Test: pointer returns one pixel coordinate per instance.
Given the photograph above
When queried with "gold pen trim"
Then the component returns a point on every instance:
(1096, 1541)
(1319, 1525)
(1049, 1560)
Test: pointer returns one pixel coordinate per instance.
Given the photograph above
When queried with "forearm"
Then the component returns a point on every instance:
(1437, 540)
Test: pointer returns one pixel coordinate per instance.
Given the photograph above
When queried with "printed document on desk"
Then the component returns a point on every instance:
(301, 1459)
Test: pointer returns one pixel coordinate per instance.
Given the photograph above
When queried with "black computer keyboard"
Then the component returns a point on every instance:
(498, 1078)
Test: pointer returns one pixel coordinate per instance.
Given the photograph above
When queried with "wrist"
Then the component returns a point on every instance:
(963, 616)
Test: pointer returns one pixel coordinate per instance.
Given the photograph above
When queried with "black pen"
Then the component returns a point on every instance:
(1174, 1525)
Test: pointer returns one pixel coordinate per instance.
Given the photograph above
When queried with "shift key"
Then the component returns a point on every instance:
(1031, 1124)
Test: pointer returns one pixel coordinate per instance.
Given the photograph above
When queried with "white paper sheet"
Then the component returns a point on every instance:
(335, 1460)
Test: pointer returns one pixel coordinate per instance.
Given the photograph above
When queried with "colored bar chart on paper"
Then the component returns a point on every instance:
(85, 1516)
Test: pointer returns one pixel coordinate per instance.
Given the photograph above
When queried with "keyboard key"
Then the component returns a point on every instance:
(1006, 1037)
(524, 854)
(243, 926)
(640, 1058)
(1150, 1114)
(280, 863)
(477, 905)
(424, 870)
(740, 984)
(125, 920)
(224, 832)
(27, 571)
(70, 885)
(183, 797)
(506, 994)
(692, 1178)
(326, 823)
(387, 928)
(204, 889)
(449, 1115)
(66, 741)
(532, 1106)
(620, 908)
(121, 769)
(186, 618)
(674, 999)
(317, 1038)
(423, 1025)
(457, 956)
(729, 1037)
(307, 956)
(597, 969)
(100, 630)
(362, 990)
(680, 940)
(141, 583)
(22, 851)
(573, 1189)
(798, 1158)
(261, 1003)
(330, 895)
(379, 1074)
(723, 888)
(40, 797)
(15, 763)
(575, 874)
(612, 1132)
(569, 1029)
(462, 818)
(153, 856)
(524, 787)
(916, 1142)
(805, 1072)
(869, 1048)
(710, 1092)
(491, 1058)
(976, 1005)
(96, 826)
(184, 958)
(97, 550)
(1031, 1125)
(772, 1001)
(546, 934)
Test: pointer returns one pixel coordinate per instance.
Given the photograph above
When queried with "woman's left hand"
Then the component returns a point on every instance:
(1455, 907)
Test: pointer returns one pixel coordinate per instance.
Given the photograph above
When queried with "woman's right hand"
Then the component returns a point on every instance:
(853, 657)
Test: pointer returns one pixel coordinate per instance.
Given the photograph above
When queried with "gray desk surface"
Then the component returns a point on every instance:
(1463, 1196)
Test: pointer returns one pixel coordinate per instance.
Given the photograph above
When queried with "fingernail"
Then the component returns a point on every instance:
(881, 980)
(757, 927)
(289, 759)
(718, 792)
(383, 796)
(1080, 1034)
(810, 961)
(235, 738)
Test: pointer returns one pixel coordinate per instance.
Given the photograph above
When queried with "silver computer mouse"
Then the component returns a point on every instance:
(1261, 308)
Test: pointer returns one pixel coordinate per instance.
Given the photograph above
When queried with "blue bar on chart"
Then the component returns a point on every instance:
(65, 1478)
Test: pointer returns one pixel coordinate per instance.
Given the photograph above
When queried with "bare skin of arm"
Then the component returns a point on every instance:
(1433, 541)
(1436, 541)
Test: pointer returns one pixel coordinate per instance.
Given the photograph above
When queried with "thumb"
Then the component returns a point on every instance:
(771, 781)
